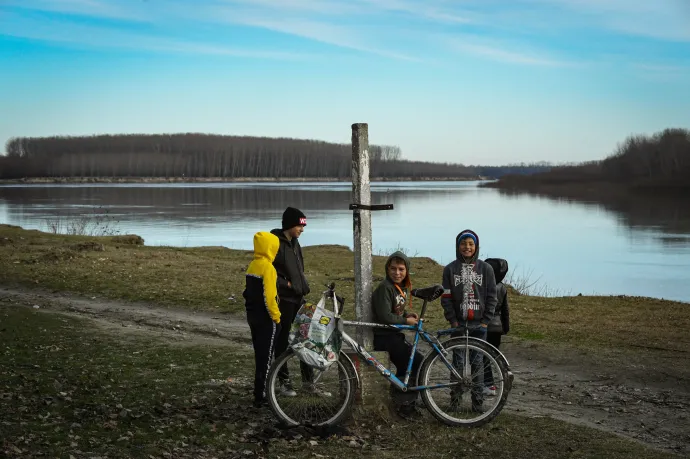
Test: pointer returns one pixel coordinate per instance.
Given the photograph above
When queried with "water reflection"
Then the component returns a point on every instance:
(666, 214)
(184, 201)
(618, 246)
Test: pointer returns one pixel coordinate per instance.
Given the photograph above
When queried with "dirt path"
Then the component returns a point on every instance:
(639, 398)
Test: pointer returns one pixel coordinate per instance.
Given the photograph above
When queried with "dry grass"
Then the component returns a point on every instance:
(146, 397)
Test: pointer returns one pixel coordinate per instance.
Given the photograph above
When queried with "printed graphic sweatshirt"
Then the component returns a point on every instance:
(470, 288)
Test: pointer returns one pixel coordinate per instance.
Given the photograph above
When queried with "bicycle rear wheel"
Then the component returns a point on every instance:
(319, 398)
(468, 402)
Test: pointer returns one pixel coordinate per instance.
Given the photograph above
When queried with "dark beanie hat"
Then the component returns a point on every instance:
(293, 217)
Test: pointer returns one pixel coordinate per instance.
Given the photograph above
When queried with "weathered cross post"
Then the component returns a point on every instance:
(361, 219)
(361, 216)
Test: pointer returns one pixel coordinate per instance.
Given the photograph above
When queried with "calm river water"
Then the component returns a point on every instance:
(628, 246)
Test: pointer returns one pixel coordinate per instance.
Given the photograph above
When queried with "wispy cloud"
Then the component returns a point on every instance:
(106, 37)
(544, 33)
(92, 8)
(361, 8)
(660, 19)
(318, 30)
(425, 10)
(502, 52)
(310, 19)
(324, 7)
(663, 72)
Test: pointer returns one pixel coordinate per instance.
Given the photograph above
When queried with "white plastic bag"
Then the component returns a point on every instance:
(322, 325)
(312, 335)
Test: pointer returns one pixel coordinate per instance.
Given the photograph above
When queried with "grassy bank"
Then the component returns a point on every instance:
(135, 395)
(212, 279)
(70, 389)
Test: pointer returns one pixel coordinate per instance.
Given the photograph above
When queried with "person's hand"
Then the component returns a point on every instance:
(289, 284)
(454, 324)
(413, 314)
(411, 320)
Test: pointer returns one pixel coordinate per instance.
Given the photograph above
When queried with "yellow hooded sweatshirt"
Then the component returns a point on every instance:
(261, 287)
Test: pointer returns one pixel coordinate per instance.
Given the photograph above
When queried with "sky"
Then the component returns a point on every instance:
(465, 81)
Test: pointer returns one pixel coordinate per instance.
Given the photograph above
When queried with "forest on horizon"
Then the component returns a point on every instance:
(194, 155)
(640, 162)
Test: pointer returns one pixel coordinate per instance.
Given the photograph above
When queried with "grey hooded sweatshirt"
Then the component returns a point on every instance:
(470, 288)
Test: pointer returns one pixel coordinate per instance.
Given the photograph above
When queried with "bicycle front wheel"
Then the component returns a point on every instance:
(475, 398)
(302, 395)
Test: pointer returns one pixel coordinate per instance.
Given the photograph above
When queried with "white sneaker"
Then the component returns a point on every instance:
(489, 391)
(286, 390)
(313, 389)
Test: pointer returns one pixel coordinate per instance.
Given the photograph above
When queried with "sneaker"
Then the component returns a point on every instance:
(410, 412)
(260, 403)
(286, 390)
(314, 389)
(478, 408)
(489, 391)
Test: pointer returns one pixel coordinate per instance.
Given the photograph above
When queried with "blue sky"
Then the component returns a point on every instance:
(469, 81)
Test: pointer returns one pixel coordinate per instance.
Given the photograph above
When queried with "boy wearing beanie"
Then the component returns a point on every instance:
(469, 300)
(292, 287)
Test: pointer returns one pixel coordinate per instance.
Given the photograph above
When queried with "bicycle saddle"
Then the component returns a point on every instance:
(428, 293)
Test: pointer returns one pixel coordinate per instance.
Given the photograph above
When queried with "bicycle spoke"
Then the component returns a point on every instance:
(470, 401)
(322, 400)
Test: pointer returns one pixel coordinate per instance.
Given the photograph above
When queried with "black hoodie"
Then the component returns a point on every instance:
(501, 321)
(470, 288)
(289, 265)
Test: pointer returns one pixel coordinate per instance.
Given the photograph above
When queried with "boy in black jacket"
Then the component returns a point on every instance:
(469, 300)
(292, 288)
(500, 324)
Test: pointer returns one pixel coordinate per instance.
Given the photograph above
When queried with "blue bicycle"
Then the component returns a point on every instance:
(451, 378)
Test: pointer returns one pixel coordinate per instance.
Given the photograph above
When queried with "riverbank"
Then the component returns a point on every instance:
(211, 279)
(168, 365)
(80, 180)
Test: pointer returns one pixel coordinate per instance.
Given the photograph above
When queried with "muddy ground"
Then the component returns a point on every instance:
(632, 394)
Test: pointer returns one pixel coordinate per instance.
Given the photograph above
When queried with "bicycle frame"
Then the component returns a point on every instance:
(384, 371)
(381, 368)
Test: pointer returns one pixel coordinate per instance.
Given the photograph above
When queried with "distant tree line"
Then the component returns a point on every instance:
(640, 162)
(513, 169)
(203, 155)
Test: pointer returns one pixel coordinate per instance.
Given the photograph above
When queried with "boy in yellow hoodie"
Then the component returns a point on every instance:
(261, 301)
